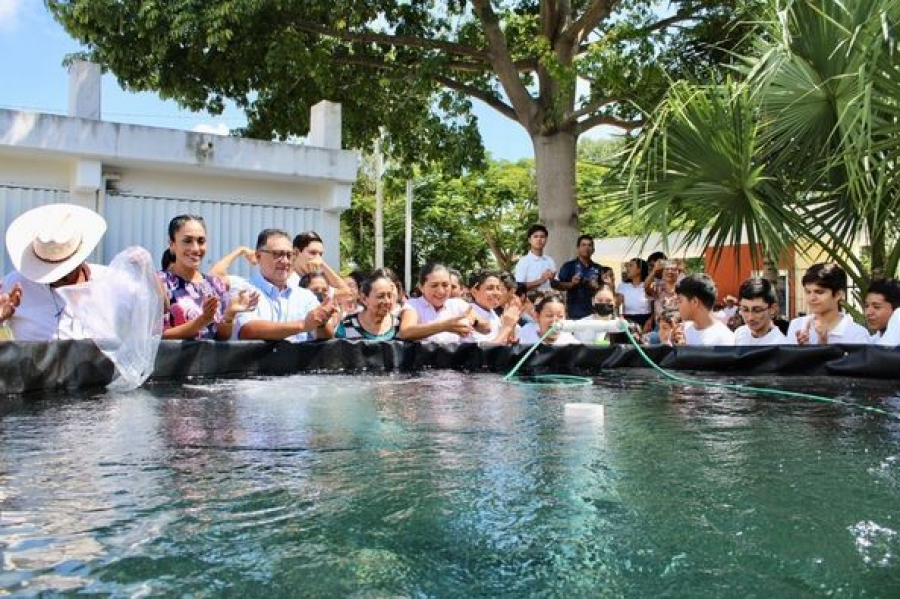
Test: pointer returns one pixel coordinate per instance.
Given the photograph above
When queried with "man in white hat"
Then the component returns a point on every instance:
(49, 246)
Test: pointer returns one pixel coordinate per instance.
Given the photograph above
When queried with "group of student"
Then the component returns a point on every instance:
(292, 294)
(665, 305)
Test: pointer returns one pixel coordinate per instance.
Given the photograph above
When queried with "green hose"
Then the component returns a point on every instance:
(545, 380)
(550, 380)
(735, 387)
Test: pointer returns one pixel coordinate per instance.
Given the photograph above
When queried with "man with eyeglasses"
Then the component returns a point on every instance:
(758, 307)
(284, 311)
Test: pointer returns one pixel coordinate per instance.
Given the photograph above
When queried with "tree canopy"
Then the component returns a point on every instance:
(413, 68)
(475, 219)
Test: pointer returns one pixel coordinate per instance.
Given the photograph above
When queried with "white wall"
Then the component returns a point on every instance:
(140, 177)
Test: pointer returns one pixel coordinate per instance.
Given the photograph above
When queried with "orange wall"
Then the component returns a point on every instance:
(735, 265)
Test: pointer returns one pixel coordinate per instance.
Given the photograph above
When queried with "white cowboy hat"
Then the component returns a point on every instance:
(47, 243)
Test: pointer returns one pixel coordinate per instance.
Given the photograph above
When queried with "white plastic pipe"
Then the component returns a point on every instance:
(593, 325)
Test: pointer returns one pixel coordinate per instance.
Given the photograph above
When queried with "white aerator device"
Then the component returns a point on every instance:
(593, 325)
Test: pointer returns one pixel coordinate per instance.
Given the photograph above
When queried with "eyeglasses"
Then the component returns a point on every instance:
(755, 310)
(276, 255)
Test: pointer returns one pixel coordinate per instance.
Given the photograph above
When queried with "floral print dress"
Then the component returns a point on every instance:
(186, 301)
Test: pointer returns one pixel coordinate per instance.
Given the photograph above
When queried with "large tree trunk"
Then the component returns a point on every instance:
(554, 160)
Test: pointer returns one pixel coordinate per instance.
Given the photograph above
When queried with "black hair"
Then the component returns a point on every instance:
(384, 271)
(670, 316)
(176, 223)
(509, 281)
(656, 256)
(698, 286)
(889, 288)
(306, 279)
(583, 237)
(549, 298)
(477, 278)
(826, 274)
(535, 228)
(758, 288)
(263, 238)
(377, 275)
(167, 259)
(430, 268)
(304, 239)
(645, 268)
(360, 277)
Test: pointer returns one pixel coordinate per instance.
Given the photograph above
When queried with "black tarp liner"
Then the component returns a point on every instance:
(34, 366)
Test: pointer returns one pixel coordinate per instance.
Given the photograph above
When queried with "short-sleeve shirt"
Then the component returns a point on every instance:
(186, 301)
(715, 334)
(452, 308)
(531, 267)
(529, 335)
(891, 335)
(578, 299)
(44, 314)
(492, 318)
(289, 304)
(743, 336)
(351, 328)
(634, 298)
(846, 331)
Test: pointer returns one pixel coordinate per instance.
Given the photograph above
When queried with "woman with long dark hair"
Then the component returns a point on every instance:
(199, 306)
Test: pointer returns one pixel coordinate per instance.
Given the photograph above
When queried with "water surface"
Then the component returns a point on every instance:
(448, 484)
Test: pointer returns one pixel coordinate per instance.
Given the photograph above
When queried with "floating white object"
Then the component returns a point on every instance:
(584, 417)
(594, 325)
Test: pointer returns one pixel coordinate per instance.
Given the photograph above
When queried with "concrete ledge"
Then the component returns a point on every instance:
(118, 143)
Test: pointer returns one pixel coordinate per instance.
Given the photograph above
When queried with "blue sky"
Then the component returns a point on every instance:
(32, 77)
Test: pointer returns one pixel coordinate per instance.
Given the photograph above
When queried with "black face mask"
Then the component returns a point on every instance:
(604, 309)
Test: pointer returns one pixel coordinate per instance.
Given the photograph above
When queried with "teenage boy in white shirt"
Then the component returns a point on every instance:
(825, 285)
(696, 297)
(535, 270)
(758, 307)
(882, 300)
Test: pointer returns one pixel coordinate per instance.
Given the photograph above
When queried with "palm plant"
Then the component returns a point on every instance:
(697, 169)
(804, 149)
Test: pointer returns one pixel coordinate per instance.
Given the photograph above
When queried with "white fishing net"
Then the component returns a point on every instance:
(122, 313)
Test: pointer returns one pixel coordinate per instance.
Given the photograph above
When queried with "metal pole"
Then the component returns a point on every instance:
(407, 246)
(379, 205)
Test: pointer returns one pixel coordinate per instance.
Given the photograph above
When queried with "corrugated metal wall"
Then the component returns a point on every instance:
(16, 200)
(144, 221)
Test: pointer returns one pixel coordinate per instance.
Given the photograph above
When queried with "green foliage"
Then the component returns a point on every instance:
(406, 71)
(803, 151)
(467, 221)
(409, 68)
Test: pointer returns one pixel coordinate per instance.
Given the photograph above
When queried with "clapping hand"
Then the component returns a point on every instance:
(10, 301)
(461, 325)
(242, 301)
(208, 310)
(803, 334)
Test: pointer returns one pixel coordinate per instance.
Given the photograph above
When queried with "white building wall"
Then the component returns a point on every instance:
(144, 220)
(140, 177)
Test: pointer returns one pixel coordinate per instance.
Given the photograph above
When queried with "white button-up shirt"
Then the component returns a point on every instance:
(278, 305)
(531, 267)
(44, 314)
